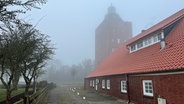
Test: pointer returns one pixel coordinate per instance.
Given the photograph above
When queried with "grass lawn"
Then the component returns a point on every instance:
(16, 92)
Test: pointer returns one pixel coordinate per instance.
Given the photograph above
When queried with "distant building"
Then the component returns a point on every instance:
(110, 33)
(147, 69)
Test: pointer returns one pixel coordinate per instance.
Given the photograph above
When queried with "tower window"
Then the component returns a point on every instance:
(118, 41)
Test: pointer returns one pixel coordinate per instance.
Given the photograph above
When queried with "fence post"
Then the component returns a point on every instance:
(27, 99)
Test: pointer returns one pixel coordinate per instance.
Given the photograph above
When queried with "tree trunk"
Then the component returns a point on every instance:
(34, 84)
(8, 96)
(16, 79)
(27, 89)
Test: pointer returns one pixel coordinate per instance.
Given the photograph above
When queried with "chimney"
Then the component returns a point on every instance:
(143, 30)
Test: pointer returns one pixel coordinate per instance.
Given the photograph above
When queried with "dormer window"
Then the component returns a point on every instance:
(160, 36)
(133, 48)
(155, 38)
(150, 40)
(145, 42)
(140, 44)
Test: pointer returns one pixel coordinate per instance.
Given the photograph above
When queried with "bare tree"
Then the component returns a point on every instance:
(8, 14)
(73, 71)
(88, 66)
(11, 49)
(22, 49)
(38, 73)
(39, 51)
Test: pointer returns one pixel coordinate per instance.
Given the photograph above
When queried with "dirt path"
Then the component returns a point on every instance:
(74, 95)
(62, 95)
(54, 96)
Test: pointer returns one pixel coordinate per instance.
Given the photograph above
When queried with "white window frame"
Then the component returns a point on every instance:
(93, 83)
(123, 86)
(90, 83)
(134, 48)
(146, 42)
(118, 41)
(147, 87)
(140, 44)
(103, 84)
(108, 84)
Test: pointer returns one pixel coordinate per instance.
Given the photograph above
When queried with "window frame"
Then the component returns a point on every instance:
(140, 44)
(144, 88)
(146, 42)
(133, 48)
(123, 86)
(90, 83)
(108, 84)
(103, 84)
(93, 83)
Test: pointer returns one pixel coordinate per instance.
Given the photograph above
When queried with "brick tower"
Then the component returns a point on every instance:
(111, 32)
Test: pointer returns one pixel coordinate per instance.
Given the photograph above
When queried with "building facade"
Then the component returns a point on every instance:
(147, 69)
(109, 34)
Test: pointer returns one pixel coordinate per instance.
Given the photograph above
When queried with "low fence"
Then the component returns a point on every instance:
(17, 98)
(35, 98)
(38, 97)
(21, 101)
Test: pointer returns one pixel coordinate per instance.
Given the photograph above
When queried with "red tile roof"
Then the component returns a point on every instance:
(148, 59)
(158, 26)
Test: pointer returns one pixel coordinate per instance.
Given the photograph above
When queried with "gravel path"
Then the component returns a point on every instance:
(68, 95)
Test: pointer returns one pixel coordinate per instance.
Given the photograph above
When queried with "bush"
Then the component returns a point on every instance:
(52, 85)
(42, 84)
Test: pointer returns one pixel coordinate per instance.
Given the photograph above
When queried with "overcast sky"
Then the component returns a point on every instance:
(71, 24)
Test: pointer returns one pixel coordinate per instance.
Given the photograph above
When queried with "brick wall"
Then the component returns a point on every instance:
(109, 34)
(169, 87)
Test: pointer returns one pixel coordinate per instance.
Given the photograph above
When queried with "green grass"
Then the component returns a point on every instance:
(2, 94)
(16, 92)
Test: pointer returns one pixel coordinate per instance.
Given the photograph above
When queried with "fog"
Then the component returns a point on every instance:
(50, 49)
(71, 25)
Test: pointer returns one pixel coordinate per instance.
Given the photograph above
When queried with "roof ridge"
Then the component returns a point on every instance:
(160, 25)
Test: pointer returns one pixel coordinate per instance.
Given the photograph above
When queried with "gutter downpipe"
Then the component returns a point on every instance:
(127, 82)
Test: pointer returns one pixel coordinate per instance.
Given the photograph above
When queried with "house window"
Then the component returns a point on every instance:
(93, 83)
(159, 36)
(149, 41)
(123, 86)
(118, 41)
(155, 38)
(146, 42)
(140, 44)
(103, 84)
(147, 88)
(108, 84)
(133, 48)
(90, 83)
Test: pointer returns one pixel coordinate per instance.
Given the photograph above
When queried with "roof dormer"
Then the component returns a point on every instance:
(146, 41)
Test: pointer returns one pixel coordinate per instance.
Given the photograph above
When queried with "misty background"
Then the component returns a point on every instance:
(71, 26)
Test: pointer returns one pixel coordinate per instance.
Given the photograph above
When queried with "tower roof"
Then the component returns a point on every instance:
(111, 9)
